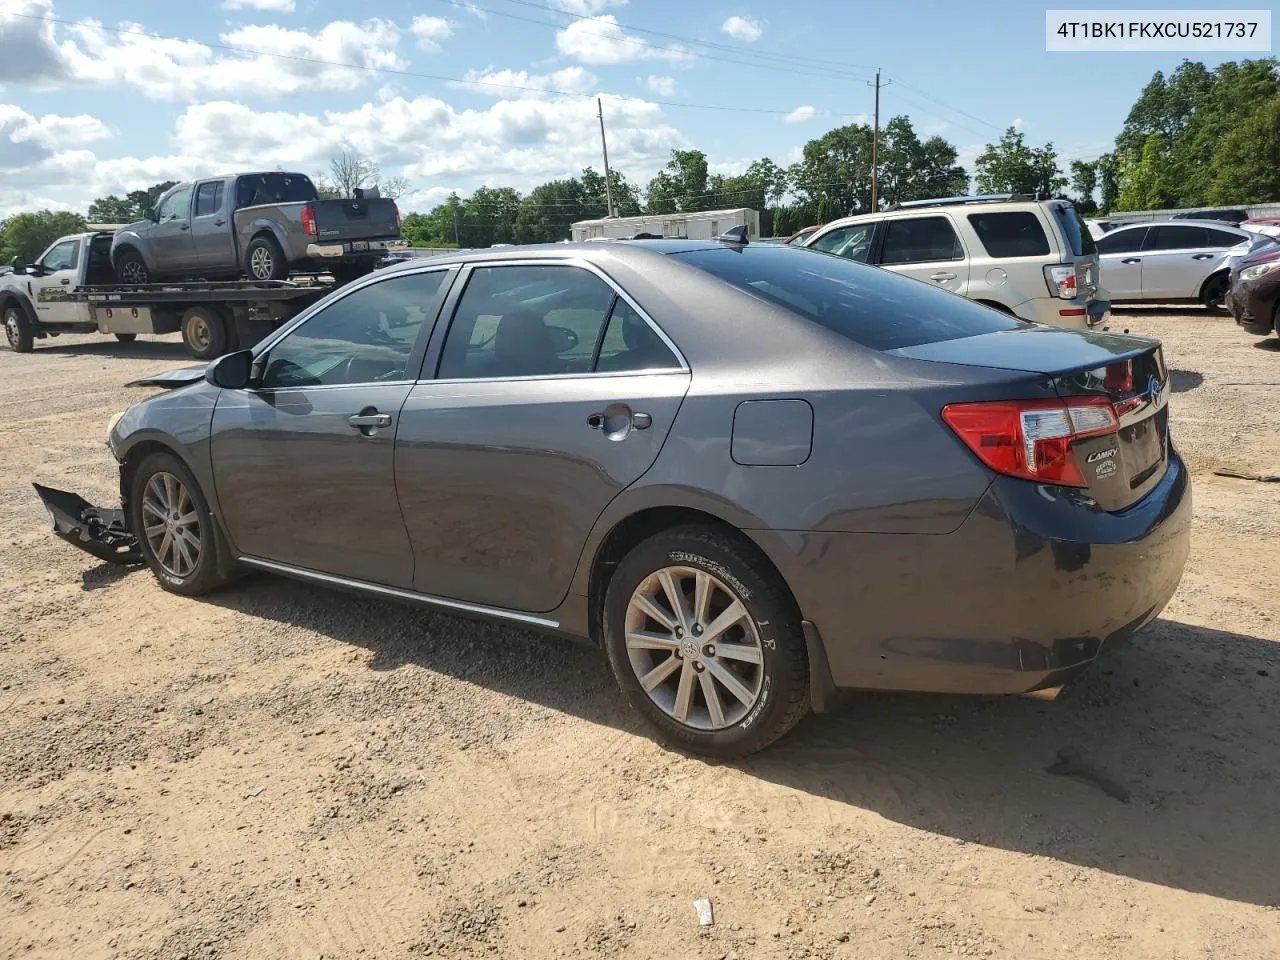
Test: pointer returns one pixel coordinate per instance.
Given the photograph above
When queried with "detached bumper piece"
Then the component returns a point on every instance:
(100, 532)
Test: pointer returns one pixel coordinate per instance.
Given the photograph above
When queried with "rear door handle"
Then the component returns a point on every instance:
(942, 276)
(1131, 260)
(1202, 256)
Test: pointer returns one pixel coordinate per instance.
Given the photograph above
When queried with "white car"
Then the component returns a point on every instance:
(1167, 261)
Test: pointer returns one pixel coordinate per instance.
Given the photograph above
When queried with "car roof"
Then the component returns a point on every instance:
(931, 210)
(592, 250)
(1215, 224)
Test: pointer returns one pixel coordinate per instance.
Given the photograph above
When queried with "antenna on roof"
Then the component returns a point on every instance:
(736, 234)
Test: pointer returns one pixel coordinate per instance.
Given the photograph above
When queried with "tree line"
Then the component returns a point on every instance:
(1198, 137)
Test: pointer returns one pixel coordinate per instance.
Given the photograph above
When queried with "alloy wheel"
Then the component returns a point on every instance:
(12, 329)
(694, 648)
(133, 271)
(261, 264)
(171, 524)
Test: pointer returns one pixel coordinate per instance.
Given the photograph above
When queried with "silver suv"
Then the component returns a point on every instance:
(1025, 255)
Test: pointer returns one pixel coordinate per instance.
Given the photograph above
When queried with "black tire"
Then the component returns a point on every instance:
(131, 268)
(1214, 292)
(17, 329)
(203, 575)
(264, 260)
(126, 337)
(204, 331)
(783, 694)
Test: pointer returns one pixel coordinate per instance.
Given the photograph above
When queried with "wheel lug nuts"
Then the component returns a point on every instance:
(679, 632)
(699, 667)
(709, 651)
(697, 629)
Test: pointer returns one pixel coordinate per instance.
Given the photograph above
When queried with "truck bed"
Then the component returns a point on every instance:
(201, 291)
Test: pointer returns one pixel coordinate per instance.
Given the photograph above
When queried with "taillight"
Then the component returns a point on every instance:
(1061, 279)
(396, 207)
(309, 220)
(1031, 439)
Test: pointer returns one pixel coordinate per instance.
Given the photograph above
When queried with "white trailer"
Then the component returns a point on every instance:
(702, 225)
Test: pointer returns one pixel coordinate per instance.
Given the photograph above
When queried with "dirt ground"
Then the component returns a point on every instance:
(281, 771)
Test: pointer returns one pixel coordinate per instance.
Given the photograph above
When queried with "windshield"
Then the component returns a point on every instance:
(1079, 239)
(873, 307)
(260, 188)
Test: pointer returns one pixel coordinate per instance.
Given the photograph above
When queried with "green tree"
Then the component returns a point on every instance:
(550, 208)
(1246, 166)
(1011, 166)
(1108, 181)
(132, 207)
(915, 170)
(1084, 181)
(836, 167)
(489, 217)
(1145, 182)
(681, 186)
(626, 196)
(28, 235)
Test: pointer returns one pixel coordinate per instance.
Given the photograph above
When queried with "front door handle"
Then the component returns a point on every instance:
(1131, 260)
(64, 281)
(219, 223)
(940, 277)
(368, 420)
(185, 226)
(1202, 256)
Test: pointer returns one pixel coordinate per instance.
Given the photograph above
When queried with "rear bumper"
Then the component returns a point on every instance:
(355, 248)
(1077, 314)
(1030, 589)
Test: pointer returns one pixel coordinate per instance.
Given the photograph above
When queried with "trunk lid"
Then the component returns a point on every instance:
(1120, 467)
(371, 218)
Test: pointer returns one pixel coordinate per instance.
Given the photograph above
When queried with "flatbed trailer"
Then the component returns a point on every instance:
(63, 293)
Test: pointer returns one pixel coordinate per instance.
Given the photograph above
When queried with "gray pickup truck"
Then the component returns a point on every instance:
(259, 225)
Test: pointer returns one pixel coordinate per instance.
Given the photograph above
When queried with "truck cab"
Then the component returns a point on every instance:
(38, 298)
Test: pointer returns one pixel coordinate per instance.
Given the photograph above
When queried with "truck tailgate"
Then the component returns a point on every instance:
(374, 218)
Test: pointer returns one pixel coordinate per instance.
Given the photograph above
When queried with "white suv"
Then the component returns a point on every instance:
(1028, 256)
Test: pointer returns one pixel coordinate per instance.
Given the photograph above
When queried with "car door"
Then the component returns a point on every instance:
(1120, 262)
(54, 278)
(304, 461)
(547, 394)
(1176, 260)
(927, 248)
(211, 230)
(172, 249)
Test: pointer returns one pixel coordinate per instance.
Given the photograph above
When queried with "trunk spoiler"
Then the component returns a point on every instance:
(172, 379)
(103, 533)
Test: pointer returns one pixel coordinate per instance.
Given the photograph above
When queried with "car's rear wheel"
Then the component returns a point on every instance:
(170, 517)
(17, 330)
(706, 643)
(1215, 292)
(264, 260)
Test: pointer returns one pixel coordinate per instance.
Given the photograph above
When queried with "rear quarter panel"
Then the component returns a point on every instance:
(282, 220)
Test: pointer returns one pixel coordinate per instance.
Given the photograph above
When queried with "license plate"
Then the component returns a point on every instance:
(357, 245)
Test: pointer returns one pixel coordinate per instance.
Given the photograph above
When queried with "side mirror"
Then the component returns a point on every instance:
(150, 214)
(19, 265)
(231, 371)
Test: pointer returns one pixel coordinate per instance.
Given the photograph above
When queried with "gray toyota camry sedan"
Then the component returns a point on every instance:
(754, 475)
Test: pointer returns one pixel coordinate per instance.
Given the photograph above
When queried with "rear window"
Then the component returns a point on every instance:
(274, 188)
(1079, 240)
(1017, 234)
(872, 307)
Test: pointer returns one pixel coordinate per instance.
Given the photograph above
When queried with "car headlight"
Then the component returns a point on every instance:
(1260, 270)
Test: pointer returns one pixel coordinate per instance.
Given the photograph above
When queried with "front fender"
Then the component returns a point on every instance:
(131, 239)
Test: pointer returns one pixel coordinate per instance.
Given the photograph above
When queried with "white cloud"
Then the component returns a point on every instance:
(587, 8)
(745, 29)
(602, 41)
(1018, 123)
(662, 86)
(272, 6)
(430, 31)
(521, 83)
(801, 114)
(276, 61)
(27, 140)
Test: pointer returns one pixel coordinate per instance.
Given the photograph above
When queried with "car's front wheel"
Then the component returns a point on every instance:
(170, 517)
(706, 642)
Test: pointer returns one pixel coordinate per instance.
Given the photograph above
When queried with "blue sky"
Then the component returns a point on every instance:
(86, 110)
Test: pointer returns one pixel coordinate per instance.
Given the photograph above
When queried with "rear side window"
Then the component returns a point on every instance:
(1016, 234)
(263, 188)
(1176, 238)
(1079, 239)
(208, 198)
(1220, 239)
(875, 308)
(923, 240)
(1122, 241)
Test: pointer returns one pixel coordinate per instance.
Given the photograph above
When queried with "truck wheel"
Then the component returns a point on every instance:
(264, 260)
(204, 331)
(131, 268)
(126, 337)
(17, 330)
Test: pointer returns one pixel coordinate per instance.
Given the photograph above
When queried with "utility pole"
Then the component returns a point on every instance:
(875, 149)
(604, 146)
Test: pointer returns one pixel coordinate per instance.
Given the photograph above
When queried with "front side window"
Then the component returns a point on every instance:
(526, 321)
(175, 205)
(1122, 241)
(64, 256)
(922, 240)
(852, 242)
(1014, 234)
(208, 198)
(366, 337)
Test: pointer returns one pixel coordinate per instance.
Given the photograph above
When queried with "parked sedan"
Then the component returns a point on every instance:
(1255, 293)
(1166, 262)
(752, 474)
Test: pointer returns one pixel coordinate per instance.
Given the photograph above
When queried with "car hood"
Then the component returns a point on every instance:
(172, 379)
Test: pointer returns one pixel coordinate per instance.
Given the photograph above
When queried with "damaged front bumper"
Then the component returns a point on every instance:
(103, 533)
